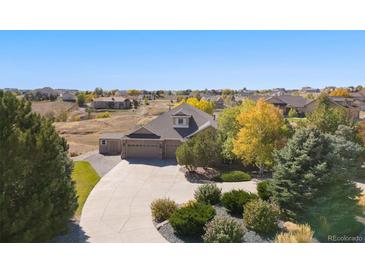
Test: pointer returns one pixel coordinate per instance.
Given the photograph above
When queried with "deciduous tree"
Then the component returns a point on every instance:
(261, 130)
(342, 92)
(228, 128)
(203, 105)
(327, 117)
(202, 150)
(81, 99)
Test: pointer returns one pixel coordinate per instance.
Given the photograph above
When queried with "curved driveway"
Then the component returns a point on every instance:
(117, 209)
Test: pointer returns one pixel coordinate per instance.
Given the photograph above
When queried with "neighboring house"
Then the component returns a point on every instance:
(41, 94)
(311, 90)
(286, 102)
(111, 103)
(159, 138)
(68, 97)
(217, 100)
(352, 106)
(360, 95)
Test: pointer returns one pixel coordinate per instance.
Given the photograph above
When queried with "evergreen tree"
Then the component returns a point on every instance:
(313, 181)
(37, 195)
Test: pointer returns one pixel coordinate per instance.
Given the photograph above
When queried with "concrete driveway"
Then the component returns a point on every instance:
(118, 208)
(101, 163)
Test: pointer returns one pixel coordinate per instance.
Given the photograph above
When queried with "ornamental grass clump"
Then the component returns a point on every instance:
(190, 220)
(162, 209)
(223, 230)
(301, 233)
(261, 216)
(208, 194)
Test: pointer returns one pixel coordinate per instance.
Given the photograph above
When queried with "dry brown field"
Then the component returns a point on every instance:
(83, 136)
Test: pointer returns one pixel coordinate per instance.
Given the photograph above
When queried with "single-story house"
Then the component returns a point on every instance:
(68, 97)
(159, 138)
(117, 102)
(217, 100)
(286, 102)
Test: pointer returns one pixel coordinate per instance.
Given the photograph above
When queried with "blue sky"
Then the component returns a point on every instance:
(181, 59)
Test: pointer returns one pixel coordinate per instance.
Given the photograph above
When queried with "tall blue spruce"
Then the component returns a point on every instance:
(313, 181)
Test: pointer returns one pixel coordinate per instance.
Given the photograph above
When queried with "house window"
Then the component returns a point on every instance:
(180, 121)
(103, 142)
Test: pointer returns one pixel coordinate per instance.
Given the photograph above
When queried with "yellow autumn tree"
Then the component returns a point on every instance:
(261, 130)
(342, 92)
(203, 105)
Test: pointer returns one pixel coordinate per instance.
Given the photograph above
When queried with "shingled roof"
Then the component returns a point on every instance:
(163, 127)
(294, 101)
(288, 100)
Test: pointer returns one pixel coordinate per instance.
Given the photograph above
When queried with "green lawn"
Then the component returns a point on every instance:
(86, 178)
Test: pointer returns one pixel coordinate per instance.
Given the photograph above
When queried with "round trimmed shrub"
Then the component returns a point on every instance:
(234, 200)
(208, 194)
(162, 209)
(235, 176)
(223, 230)
(263, 190)
(261, 216)
(190, 220)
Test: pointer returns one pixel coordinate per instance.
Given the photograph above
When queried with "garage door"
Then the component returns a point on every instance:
(171, 147)
(144, 149)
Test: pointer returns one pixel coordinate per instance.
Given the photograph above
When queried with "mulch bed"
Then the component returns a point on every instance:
(168, 233)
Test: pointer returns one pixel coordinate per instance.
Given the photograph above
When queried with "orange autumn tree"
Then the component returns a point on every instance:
(342, 92)
(260, 134)
(201, 104)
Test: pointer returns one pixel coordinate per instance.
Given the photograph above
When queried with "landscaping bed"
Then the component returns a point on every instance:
(249, 236)
(210, 175)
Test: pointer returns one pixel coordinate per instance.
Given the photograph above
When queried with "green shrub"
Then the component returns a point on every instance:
(292, 113)
(234, 176)
(261, 216)
(208, 194)
(190, 220)
(263, 190)
(162, 209)
(223, 230)
(235, 200)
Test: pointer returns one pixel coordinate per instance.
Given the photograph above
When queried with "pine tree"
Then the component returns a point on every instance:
(37, 195)
(313, 181)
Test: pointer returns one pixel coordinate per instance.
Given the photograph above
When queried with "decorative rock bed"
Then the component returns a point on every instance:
(168, 233)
